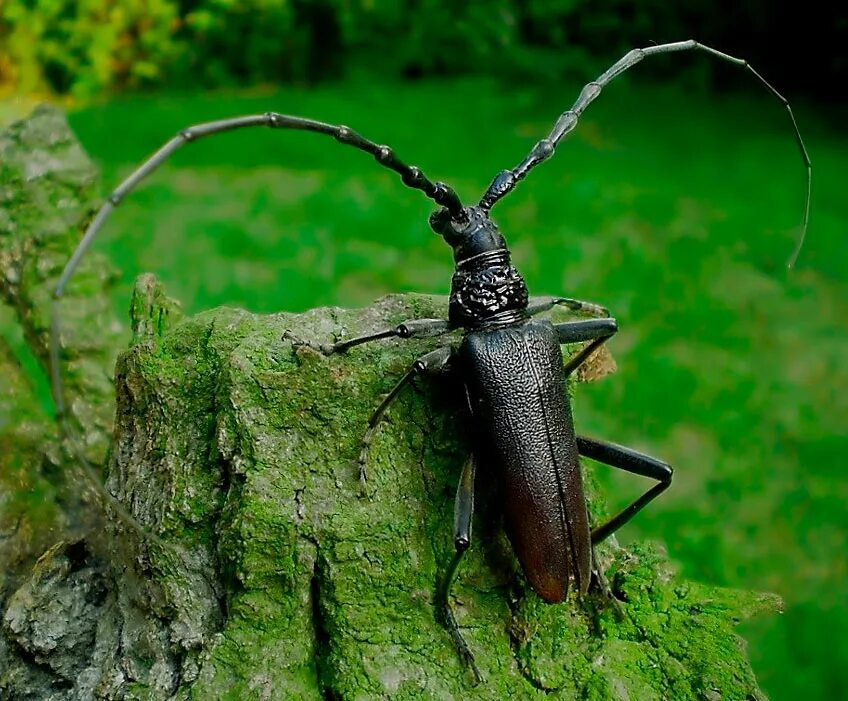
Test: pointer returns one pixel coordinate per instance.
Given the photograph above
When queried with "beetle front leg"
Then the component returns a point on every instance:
(413, 328)
(597, 331)
(430, 363)
(537, 305)
(463, 511)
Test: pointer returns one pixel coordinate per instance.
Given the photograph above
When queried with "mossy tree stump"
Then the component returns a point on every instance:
(258, 572)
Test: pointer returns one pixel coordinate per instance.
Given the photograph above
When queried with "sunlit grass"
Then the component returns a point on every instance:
(676, 211)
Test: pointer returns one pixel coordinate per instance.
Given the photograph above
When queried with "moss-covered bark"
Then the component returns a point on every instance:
(261, 574)
(30, 520)
(48, 193)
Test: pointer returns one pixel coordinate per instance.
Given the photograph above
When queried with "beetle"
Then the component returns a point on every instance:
(510, 361)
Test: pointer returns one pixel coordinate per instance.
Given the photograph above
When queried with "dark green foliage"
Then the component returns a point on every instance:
(87, 46)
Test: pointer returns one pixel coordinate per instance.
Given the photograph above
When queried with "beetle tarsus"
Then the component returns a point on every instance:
(599, 586)
(537, 305)
(297, 342)
(462, 649)
(578, 305)
(363, 470)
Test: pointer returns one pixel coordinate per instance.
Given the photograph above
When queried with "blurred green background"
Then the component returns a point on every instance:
(675, 203)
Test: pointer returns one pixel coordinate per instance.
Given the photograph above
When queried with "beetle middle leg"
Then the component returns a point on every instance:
(433, 362)
(597, 331)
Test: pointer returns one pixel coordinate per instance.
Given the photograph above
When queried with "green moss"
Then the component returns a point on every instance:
(255, 443)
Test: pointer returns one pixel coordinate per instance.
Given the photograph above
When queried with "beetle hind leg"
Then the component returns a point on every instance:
(628, 460)
(462, 512)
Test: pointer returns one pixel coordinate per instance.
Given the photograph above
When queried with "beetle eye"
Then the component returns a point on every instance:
(440, 221)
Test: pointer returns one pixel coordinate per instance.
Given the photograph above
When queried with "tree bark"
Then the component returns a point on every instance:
(258, 572)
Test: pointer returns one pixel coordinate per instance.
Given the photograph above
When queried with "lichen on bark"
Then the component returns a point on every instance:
(259, 572)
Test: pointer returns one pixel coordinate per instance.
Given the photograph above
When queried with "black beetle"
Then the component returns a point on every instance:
(510, 362)
(523, 432)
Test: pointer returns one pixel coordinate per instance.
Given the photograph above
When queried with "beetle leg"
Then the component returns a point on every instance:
(430, 363)
(414, 328)
(632, 461)
(537, 305)
(598, 583)
(597, 331)
(463, 510)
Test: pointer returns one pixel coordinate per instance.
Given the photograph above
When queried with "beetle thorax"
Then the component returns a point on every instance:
(487, 289)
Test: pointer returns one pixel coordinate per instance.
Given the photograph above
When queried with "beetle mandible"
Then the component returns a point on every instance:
(510, 362)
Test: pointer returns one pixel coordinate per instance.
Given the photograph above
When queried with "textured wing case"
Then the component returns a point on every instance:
(527, 446)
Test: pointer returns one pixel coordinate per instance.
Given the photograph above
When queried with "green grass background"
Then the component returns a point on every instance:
(676, 210)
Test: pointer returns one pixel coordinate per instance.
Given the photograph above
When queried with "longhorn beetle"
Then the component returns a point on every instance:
(510, 362)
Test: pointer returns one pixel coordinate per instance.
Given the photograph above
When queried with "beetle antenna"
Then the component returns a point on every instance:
(506, 180)
(411, 176)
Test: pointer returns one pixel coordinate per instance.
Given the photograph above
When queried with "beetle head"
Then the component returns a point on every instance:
(469, 235)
